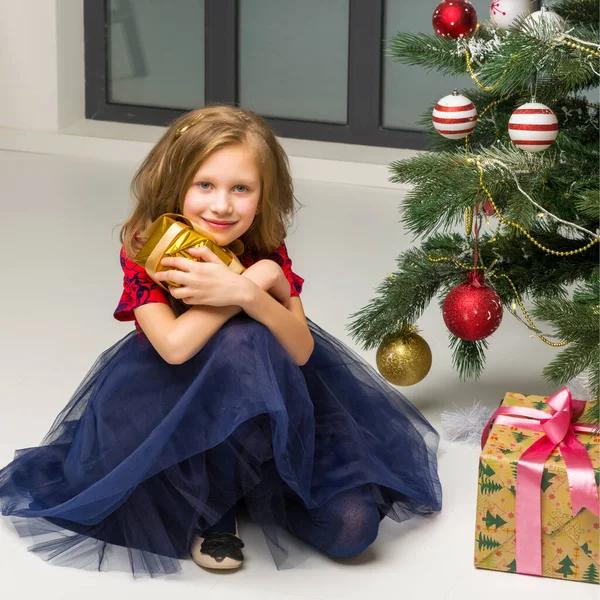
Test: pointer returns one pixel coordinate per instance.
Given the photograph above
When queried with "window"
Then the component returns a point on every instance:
(315, 69)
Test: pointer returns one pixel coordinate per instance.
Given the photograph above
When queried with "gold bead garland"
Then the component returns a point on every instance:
(485, 88)
(581, 48)
(528, 318)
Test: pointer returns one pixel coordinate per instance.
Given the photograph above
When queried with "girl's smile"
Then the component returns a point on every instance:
(218, 225)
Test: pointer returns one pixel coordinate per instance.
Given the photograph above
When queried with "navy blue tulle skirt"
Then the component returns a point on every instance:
(134, 465)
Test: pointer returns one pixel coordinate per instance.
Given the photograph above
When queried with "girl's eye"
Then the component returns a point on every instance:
(240, 188)
(203, 185)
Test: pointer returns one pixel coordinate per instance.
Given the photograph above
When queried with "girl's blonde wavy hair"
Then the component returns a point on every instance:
(163, 179)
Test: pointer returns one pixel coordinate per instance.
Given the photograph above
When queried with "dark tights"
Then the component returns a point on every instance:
(343, 527)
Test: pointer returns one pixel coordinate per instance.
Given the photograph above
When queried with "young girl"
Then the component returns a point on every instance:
(224, 394)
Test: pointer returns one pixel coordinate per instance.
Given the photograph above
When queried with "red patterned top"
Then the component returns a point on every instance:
(139, 288)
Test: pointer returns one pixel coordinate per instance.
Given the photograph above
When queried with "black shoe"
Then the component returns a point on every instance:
(218, 551)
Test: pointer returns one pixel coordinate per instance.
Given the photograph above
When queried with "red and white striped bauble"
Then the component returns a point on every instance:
(533, 127)
(454, 116)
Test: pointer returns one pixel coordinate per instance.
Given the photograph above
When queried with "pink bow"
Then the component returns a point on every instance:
(559, 431)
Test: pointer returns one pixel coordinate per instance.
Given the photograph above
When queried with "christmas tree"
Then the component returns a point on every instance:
(501, 222)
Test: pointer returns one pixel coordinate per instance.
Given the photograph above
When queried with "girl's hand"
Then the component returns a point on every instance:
(208, 283)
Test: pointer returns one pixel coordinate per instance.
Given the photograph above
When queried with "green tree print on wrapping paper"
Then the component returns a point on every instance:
(540, 404)
(489, 487)
(586, 549)
(491, 521)
(485, 470)
(519, 436)
(547, 479)
(485, 484)
(512, 567)
(591, 574)
(486, 542)
(566, 563)
(597, 476)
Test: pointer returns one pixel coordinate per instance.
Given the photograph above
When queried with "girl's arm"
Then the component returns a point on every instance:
(269, 277)
(288, 325)
(210, 283)
(177, 339)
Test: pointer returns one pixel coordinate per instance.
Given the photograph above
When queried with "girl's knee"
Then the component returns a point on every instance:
(357, 526)
(241, 333)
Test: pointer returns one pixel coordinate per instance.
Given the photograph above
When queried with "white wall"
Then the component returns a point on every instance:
(41, 64)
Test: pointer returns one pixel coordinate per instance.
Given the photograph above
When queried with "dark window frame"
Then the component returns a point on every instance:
(365, 83)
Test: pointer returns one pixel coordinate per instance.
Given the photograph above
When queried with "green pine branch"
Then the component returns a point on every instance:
(508, 60)
(468, 358)
(401, 298)
(429, 51)
(575, 320)
(445, 184)
(586, 202)
(529, 50)
(578, 12)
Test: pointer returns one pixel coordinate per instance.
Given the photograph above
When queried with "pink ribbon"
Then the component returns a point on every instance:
(559, 430)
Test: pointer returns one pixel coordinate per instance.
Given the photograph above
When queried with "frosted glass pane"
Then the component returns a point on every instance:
(156, 52)
(409, 90)
(294, 58)
(592, 95)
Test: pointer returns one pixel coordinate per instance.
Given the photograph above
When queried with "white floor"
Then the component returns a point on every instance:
(60, 220)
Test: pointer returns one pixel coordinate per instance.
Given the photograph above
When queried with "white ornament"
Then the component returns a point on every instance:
(454, 116)
(504, 12)
(533, 127)
(549, 18)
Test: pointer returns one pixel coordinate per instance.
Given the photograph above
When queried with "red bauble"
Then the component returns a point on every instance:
(472, 310)
(454, 18)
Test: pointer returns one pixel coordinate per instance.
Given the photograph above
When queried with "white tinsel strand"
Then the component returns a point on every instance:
(488, 161)
(480, 50)
(466, 424)
(579, 388)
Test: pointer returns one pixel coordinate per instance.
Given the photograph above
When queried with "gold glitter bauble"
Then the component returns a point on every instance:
(404, 359)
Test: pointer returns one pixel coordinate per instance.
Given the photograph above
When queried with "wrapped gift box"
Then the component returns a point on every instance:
(570, 543)
(173, 235)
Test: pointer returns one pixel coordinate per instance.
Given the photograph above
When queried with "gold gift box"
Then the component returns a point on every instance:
(173, 235)
(570, 544)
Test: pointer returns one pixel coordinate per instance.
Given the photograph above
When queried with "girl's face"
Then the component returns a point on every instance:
(224, 195)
